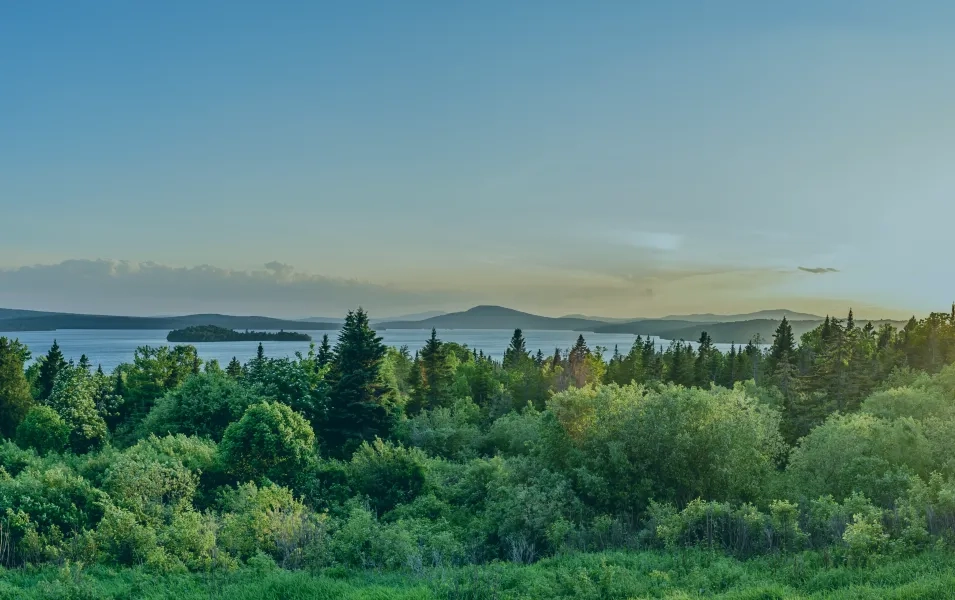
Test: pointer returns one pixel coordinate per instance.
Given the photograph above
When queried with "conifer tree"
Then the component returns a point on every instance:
(84, 362)
(516, 351)
(356, 412)
(53, 363)
(15, 398)
(260, 353)
(434, 388)
(234, 368)
(784, 344)
(324, 352)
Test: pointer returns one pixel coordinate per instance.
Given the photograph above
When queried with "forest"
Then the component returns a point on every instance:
(817, 467)
(211, 333)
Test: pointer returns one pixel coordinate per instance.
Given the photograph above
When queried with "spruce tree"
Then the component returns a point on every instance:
(234, 368)
(53, 363)
(260, 352)
(434, 388)
(15, 398)
(516, 351)
(784, 344)
(84, 362)
(355, 410)
(324, 352)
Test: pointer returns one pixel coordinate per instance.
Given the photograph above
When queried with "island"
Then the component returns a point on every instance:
(211, 333)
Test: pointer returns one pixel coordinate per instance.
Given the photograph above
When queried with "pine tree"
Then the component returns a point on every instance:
(324, 352)
(53, 363)
(702, 374)
(84, 363)
(234, 368)
(434, 389)
(784, 344)
(850, 321)
(15, 398)
(516, 351)
(356, 412)
(577, 361)
(260, 353)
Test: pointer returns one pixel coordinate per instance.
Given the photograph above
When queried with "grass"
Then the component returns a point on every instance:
(604, 576)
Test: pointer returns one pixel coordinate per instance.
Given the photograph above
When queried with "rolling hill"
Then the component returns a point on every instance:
(495, 317)
(775, 314)
(39, 321)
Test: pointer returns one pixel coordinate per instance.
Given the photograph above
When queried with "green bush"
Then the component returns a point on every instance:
(387, 474)
(204, 405)
(271, 441)
(43, 430)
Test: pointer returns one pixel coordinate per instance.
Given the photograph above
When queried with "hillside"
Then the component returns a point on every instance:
(54, 321)
(495, 317)
(776, 314)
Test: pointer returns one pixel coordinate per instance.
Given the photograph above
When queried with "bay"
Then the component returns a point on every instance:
(109, 348)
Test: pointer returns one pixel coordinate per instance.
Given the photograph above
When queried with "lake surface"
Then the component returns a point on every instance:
(109, 347)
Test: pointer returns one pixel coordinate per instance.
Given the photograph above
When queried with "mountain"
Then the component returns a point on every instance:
(495, 317)
(655, 327)
(413, 316)
(774, 314)
(601, 319)
(53, 321)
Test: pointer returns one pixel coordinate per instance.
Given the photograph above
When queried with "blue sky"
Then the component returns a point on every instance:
(623, 158)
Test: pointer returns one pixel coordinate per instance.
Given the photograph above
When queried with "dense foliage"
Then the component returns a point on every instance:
(835, 449)
(211, 333)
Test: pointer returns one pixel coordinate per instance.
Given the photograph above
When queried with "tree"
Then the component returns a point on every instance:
(356, 410)
(270, 440)
(702, 368)
(259, 352)
(85, 362)
(73, 398)
(784, 344)
(324, 352)
(516, 351)
(437, 375)
(577, 361)
(234, 368)
(53, 363)
(204, 405)
(15, 397)
(43, 430)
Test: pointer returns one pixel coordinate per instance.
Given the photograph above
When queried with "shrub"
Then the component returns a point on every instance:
(270, 440)
(387, 474)
(204, 405)
(43, 430)
(269, 519)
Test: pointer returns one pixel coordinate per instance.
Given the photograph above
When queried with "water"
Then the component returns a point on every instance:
(109, 348)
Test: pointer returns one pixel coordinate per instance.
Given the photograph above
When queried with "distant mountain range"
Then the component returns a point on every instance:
(411, 317)
(21, 320)
(495, 317)
(721, 328)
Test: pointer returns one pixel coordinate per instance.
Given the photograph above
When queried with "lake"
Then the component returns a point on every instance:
(109, 347)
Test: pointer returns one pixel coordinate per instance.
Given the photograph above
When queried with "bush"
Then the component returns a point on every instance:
(204, 405)
(387, 474)
(43, 430)
(270, 440)
(269, 519)
(860, 453)
(625, 445)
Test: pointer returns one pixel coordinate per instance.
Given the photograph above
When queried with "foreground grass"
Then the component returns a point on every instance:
(584, 576)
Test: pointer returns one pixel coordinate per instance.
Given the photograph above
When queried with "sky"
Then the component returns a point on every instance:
(624, 159)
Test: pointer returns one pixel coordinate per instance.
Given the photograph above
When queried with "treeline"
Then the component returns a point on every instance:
(211, 333)
(361, 456)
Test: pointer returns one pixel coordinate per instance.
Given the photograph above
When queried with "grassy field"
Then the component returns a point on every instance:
(580, 577)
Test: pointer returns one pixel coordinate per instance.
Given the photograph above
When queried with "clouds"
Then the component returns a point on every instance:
(818, 270)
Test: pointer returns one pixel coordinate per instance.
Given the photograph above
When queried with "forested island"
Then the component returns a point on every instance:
(817, 467)
(211, 333)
